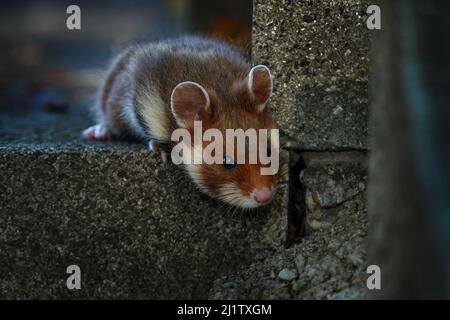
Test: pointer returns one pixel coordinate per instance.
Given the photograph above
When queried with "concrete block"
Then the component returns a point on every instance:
(330, 262)
(318, 52)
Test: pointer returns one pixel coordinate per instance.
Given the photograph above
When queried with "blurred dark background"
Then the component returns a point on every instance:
(45, 65)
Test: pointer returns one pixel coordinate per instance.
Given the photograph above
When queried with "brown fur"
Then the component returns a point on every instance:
(112, 93)
(245, 115)
(144, 75)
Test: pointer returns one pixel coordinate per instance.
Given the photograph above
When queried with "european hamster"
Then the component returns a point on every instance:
(151, 90)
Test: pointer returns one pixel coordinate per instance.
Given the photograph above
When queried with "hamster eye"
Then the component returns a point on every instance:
(228, 163)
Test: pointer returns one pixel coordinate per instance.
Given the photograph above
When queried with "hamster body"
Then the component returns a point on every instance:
(151, 90)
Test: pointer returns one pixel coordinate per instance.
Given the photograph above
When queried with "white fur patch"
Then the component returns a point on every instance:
(230, 193)
(154, 113)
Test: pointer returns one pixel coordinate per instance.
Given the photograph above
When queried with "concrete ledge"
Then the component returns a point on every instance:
(135, 228)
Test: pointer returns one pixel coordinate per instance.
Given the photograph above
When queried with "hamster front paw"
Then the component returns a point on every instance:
(155, 147)
(98, 132)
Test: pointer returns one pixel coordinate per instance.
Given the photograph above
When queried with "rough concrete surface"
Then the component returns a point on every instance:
(141, 230)
(135, 228)
(318, 52)
(330, 261)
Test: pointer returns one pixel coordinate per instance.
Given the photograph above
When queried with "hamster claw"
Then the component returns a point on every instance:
(153, 146)
(164, 156)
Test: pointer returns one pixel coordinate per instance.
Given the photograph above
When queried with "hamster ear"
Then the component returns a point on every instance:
(189, 102)
(260, 85)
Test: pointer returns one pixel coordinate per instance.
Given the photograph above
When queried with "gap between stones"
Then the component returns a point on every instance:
(297, 210)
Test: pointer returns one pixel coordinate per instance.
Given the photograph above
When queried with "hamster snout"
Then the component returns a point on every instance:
(262, 195)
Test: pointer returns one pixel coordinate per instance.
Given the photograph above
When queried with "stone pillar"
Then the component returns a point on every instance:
(318, 52)
(408, 202)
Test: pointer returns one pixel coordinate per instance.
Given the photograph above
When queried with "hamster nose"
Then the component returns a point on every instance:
(262, 195)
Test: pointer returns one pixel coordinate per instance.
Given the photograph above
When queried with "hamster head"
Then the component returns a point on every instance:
(239, 107)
